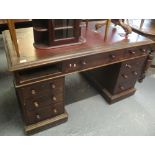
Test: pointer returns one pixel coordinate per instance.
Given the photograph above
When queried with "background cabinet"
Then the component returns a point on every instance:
(53, 32)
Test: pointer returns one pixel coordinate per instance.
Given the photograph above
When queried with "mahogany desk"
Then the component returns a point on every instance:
(112, 66)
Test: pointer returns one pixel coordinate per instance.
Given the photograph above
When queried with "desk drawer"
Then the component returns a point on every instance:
(46, 88)
(38, 103)
(72, 65)
(126, 75)
(129, 73)
(132, 65)
(124, 85)
(44, 113)
(92, 61)
(135, 51)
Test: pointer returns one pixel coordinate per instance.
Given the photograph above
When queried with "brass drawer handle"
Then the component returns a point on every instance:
(128, 66)
(53, 86)
(135, 73)
(112, 56)
(54, 98)
(143, 50)
(36, 104)
(74, 65)
(55, 111)
(38, 116)
(125, 76)
(132, 52)
(33, 92)
(84, 62)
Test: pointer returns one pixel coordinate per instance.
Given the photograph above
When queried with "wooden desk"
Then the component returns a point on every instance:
(113, 67)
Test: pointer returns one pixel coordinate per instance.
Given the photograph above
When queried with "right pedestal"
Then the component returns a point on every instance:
(117, 81)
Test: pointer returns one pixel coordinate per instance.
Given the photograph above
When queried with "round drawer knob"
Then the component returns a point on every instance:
(125, 76)
(55, 111)
(132, 52)
(54, 98)
(143, 50)
(33, 92)
(135, 73)
(84, 63)
(113, 56)
(53, 86)
(122, 88)
(74, 65)
(36, 104)
(128, 66)
(38, 116)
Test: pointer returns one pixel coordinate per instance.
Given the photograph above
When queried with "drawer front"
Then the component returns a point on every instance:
(42, 89)
(131, 69)
(108, 58)
(44, 113)
(134, 64)
(129, 73)
(101, 59)
(135, 51)
(93, 61)
(124, 85)
(38, 103)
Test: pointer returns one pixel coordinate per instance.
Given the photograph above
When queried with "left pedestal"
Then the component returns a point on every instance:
(41, 100)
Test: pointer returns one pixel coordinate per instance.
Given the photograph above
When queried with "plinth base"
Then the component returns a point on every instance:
(117, 97)
(34, 128)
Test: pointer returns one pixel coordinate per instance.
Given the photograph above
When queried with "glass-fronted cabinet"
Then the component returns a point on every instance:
(55, 32)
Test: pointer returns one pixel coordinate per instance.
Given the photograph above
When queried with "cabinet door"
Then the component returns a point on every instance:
(64, 31)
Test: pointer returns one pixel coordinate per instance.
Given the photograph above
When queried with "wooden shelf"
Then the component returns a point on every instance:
(69, 38)
(37, 73)
(63, 28)
(40, 29)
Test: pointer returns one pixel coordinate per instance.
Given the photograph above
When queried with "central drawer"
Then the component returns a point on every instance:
(101, 59)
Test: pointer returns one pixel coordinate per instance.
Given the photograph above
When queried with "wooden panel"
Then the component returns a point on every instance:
(42, 89)
(44, 113)
(117, 78)
(128, 76)
(38, 73)
(40, 102)
(101, 59)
